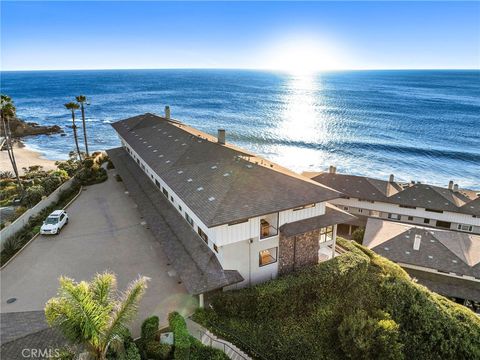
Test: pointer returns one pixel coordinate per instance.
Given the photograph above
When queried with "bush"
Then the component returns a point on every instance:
(150, 328)
(180, 335)
(365, 337)
(156, 351)
(358, 235)
(33, 195)
(110, 165)
(198, 351)
(131, 352)
(51, 183)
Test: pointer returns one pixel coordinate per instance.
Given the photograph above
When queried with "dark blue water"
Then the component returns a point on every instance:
(418, 125)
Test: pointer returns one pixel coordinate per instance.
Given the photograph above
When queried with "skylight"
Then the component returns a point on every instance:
(211, 198)
(200, 188)
(190, 180)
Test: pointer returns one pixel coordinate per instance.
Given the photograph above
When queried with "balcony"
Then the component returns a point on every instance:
(268, 226)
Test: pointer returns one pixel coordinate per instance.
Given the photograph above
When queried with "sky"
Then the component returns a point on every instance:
(254, 35)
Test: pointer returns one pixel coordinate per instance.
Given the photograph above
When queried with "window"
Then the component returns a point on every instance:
(435, 211)
(165, 192)
(407, 206)
(171, 199)
(269, 225)
(189, 219)
(465, 227)
(426, 221)
(326, 234)
(444, 224)
(180, 208)
(215, 248)
(268, 256)
(410, 218)
(203, 235)
(345, 208)
(157, 183)
(143, 167)
(394, 216)
(360, 211)
(304, 207)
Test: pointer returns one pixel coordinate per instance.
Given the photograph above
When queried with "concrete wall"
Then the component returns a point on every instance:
(19, 223)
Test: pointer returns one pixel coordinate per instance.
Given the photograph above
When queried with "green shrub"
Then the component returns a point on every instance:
(358, 235)
(33, 195)
(198, 351)
(156, 351)
(51, 183)
(365, 337)
(150, 328)
(110, 165)
(180, 335)
(132, 352)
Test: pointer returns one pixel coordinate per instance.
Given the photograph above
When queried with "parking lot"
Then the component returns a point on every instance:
(105, 232)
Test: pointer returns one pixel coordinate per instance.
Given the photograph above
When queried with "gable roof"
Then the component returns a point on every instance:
(444, 250)
(219, 183)
(420, 195)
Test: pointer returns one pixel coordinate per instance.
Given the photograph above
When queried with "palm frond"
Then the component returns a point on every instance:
(103, 286)
(126, 308)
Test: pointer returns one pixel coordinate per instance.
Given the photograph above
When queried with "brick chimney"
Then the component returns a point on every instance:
(332, 169)
(450, 185)
(391, 178)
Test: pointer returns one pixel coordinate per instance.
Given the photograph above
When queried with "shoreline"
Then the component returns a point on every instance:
(25, 157)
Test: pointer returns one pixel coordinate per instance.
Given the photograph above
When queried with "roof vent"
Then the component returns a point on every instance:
(167, 112)
(416, 242)
(221, 136)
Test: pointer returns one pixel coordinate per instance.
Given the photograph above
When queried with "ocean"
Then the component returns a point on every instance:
(421, 125)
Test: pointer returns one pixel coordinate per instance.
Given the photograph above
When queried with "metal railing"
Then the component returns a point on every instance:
(224, 344)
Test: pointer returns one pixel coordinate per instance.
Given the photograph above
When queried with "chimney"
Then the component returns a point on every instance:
(332, 169)
(455, 187)
(416, 242)
(450, 185)
(221, 136)
(391, 178)
(167, 112)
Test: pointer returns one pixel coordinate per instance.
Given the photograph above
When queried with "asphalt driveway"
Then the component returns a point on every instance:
(105, 232)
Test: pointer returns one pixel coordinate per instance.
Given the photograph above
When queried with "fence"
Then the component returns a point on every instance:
(22, 220)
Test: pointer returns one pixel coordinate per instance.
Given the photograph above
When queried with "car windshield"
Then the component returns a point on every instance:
(51, 220)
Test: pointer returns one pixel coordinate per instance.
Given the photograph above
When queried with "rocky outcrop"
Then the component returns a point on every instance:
(21, 128)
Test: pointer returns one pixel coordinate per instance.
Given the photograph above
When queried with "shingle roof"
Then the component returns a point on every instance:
(332, 216)
(444, 250)
(421, 195)
(217, 182)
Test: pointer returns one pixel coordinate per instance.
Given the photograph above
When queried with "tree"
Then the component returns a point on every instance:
(90, 314)
(72, 107)
(82, 99)
(8, 112)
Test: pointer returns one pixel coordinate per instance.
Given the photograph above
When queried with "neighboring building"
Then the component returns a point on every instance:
(447, 262)
(414, 203)
(256, 217)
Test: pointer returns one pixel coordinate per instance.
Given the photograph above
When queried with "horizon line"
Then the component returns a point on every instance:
(244, 69)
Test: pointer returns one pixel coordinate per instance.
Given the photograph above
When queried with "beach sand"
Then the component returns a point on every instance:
(24, 157)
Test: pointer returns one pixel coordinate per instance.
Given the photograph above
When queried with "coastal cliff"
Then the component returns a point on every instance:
(21, 128)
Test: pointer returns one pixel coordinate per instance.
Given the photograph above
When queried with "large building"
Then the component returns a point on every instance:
(413, 203)
(248, 219)
(447, 262)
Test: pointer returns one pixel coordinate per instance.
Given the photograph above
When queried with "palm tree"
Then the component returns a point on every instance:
(90, 314)
(82, 99)
(74, 106)
(8, 112)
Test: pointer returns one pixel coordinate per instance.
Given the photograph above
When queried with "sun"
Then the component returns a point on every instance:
(302, 57)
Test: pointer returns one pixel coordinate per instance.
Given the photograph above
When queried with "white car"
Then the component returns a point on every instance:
(54, 222)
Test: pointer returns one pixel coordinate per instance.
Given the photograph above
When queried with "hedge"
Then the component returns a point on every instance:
(150, 328)
(357, 305)
(181, 337)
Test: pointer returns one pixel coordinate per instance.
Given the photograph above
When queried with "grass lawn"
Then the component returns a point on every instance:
(358, 305)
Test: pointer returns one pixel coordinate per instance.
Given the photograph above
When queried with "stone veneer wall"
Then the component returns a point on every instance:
(298, 251)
